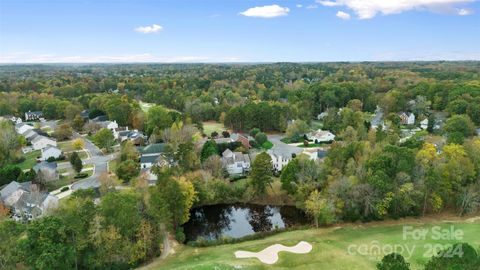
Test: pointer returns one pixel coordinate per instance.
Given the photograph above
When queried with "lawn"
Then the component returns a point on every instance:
(211, 126)
(66, 146)
(333, 248)
(30, 160)
(67, 180)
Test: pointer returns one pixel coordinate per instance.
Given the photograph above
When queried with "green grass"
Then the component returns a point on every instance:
(67, 180)
(211, 126)
(66, 146)
(330, 248)
(30, 160)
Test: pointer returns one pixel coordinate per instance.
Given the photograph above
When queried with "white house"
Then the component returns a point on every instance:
(51, 151)
(30, 134)
(320, 136)
(22, 128)
(31, 116)
(407, 118)
(40, 142)
(112, 125)
(235, 163)
(424, 123)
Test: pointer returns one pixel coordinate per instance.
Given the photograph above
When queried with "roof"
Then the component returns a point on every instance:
(9, 189)
(321, 153)
(149, 158)
(40, 137)
(227, 153)
(100, 118)
(36, 113)
(152, 148)
(50, 147)
(45, 165)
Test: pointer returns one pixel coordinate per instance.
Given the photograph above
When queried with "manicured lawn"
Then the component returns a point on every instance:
(66, 146)
(66, 180)
(211, 126)
(30, 160)
(333, 248)
(112, 166)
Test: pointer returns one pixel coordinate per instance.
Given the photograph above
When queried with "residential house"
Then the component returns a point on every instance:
(100, 118)
(318, 154)
(320, 136)
(32, 116)
(111, 125)
(137, 137)
(25, 201)
(51, 151)
(30, 134)
(152, 154)
(424, 123)
(235, 163)
(282, 154)
(22, 128)
(47, 169)
(407, 118)
(40, 142)
(245, 140)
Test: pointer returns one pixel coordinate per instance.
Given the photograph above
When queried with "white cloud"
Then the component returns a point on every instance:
(150, 29)
(299, 5)
(266, 11)
(464, 12)
(367, 9)
(312, 7)
(23, 57)
(343, 15)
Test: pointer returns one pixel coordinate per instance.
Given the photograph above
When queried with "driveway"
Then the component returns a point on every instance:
(282, 148)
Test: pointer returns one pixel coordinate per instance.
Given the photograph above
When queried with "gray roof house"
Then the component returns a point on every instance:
(26, 201)
(48, 169)
(236, 163)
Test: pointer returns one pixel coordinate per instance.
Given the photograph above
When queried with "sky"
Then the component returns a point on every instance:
(110, 31)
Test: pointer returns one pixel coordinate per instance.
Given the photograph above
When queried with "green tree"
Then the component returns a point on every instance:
(48, 245)
(289, 176)
(10, 233)
(9, 143)
(319, 209)
(261, 175)
(127, 170)
(261, 138)
(157, 118)
(63, 132)
(393, 261)
(104, 139)
(209, 149)
(78, 122)
(77, 164)
(460, 123)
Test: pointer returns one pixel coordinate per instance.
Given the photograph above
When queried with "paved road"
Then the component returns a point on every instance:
(100, 162)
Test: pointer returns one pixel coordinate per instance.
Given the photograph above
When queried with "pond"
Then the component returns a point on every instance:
(238, 220)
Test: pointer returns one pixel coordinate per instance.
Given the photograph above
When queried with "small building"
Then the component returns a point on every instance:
(235, 163)
(111, 125)
(152, 154)
(244, 140)
(32, 116)
(135, 136)
(40, 142)
(50, 151)
(424, 123)
(48, 170)
(320, 136)
(22, 128)
(100, 118)
(407, 118)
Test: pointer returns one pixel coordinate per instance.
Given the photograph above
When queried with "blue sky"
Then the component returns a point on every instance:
(238, 30)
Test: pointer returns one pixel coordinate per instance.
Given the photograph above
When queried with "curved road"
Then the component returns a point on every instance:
(100, 162)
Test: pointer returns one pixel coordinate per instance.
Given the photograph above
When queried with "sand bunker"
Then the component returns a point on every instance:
(270, 254)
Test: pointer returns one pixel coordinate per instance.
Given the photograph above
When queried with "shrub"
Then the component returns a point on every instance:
(64, 189)
(51, 159)
(81, 175)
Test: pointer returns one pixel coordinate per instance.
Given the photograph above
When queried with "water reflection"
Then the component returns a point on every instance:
(238, 220)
